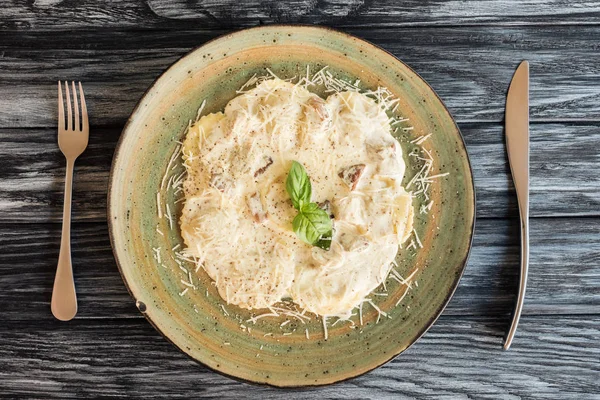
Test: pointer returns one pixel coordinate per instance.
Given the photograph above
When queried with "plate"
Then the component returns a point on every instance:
(196, 319)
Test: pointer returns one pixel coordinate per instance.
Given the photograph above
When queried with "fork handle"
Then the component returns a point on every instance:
(64, 299)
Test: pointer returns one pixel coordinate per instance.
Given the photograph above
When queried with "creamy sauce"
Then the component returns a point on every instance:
(237, 217)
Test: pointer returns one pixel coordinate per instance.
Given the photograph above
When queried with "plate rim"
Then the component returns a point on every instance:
(110, 214)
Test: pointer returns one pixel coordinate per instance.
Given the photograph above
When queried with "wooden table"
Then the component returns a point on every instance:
(466, 49)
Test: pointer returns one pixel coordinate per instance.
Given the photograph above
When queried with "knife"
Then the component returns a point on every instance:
(517, 145)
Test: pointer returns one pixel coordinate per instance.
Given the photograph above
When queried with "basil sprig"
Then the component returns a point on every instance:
(298, 185)
(312, 224)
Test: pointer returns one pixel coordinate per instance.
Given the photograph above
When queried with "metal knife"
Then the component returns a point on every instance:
(517, 145)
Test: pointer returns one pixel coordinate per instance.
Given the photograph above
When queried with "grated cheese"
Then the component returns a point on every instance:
(379, 312)
(171, 160)
(402, 297)
(199, 113)
(417, 238)
(157, 254)
(158, 205)
(186, 283)
(421, 181)
(360, 313)
(169, 217)
(421, 139)
(426, 207)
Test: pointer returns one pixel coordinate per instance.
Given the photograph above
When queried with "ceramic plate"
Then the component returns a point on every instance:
(198, 321)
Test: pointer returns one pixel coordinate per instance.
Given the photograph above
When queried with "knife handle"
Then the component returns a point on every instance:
(524, 214)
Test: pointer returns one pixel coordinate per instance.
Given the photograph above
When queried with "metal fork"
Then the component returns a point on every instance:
(73, 137)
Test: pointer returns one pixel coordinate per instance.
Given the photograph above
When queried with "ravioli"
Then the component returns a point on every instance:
(237, 216)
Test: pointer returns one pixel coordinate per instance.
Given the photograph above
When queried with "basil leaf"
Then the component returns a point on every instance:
(313, 224)
(298, 185)
(325, 241)
(303, 229)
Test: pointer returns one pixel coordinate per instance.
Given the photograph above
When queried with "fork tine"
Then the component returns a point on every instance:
(69, 109)
(77, 122)
(61, 108)
(84, 114)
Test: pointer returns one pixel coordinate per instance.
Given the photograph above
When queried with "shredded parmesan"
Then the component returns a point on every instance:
(420, 139)
(169, 217)
(360, 313)
(171, 160)
(186, 283)
(425, 208)
(158, 205)
(402, 297)
(157, 254)
(421, 184)
(417, 238)
(379, 312)
(200, 109)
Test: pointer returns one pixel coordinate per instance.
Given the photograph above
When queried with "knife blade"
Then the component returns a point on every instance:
(517, 145)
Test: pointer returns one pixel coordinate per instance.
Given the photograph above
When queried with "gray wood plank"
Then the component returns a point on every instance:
(467, 49)
(564, 273)
(563, 179)
(552, 358)
(32, 184)
(56, 15)
(470, 67)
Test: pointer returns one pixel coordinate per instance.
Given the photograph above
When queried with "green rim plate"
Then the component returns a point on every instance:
(199, 323)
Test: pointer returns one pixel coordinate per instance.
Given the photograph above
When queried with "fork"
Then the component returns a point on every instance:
(73, 137)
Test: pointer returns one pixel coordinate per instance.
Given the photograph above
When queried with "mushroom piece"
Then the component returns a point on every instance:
(326, 206)
(267, 163)
(256, 208)
(219, 182)
(382, 151)
(355, 243)
(352, 174)
(318, 104)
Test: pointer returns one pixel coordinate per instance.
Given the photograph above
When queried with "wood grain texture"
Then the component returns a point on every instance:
(564, 276)
(563, 179)
(458, 358)
(181, 14)
(466, 49)
(469, 67)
